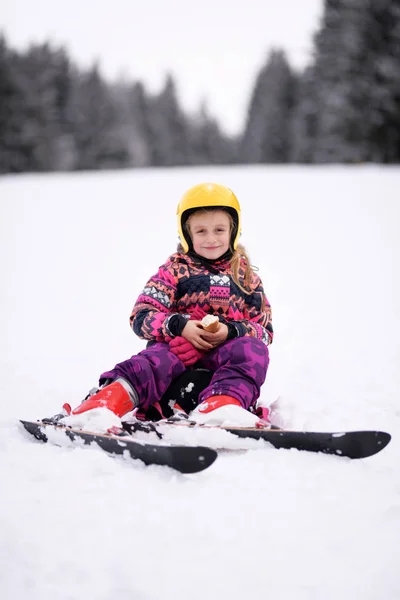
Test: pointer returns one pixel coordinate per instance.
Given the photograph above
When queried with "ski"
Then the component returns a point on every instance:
(350, 444)
(185, 459)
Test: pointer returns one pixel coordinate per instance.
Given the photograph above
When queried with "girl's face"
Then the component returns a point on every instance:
(210, 232)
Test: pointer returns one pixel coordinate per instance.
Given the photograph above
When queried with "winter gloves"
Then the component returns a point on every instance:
(198, 313)
(184, 350)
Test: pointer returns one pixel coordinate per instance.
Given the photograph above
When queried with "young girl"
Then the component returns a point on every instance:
(210, 274)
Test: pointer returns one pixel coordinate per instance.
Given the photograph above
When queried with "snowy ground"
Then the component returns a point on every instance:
(74, 523)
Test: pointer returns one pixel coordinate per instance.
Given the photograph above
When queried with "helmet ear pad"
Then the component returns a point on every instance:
(186, 214)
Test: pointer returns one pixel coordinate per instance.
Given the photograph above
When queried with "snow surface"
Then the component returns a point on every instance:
(75, 251)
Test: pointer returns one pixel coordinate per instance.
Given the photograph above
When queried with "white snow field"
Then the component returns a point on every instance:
(75, 523)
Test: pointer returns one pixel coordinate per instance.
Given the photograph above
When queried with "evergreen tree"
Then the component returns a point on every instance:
(142, 109)
(135, 123)
(165, 127)
(208, 143)
(267, 134)
(37, 131)
(11, 107)
(64, 157)
(38, 68)
(98, 140)
(304, 119)
(384, 134)
(357, 74)
(173, 130)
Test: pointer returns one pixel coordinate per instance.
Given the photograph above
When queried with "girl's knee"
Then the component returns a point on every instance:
(249, 349)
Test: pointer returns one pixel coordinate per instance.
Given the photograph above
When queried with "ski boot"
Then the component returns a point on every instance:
(223, 410)
(118, 396)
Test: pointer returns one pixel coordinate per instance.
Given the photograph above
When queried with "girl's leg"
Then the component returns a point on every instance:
(240, 367)
(150, 372)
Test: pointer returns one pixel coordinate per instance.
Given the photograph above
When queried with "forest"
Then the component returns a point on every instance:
(344, 107)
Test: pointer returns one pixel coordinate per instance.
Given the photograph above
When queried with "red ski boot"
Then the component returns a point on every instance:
(119, 397)
(225, 410)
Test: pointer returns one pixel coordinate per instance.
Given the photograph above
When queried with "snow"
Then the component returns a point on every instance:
(226, 416)
(99, 419)
(75, 523)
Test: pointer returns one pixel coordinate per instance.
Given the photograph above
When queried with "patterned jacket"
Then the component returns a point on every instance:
(184, 288)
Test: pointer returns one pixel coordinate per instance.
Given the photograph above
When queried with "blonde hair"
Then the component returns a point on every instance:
(237, 255)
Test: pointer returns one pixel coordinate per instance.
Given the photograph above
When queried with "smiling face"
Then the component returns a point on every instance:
(210, 231)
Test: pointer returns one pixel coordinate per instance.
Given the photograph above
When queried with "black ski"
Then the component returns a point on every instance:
(185, 459)
(352, 444)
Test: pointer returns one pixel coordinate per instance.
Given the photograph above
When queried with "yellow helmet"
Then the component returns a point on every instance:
(207, 195)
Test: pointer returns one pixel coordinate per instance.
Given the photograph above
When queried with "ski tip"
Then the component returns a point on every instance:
(362, 444)
(382, 439)
(35, 429)
(193, 459)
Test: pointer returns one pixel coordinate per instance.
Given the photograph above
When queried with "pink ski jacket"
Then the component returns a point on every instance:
(185, 286)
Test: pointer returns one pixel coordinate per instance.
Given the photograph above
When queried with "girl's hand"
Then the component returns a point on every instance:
(194, 333)
(217, 338)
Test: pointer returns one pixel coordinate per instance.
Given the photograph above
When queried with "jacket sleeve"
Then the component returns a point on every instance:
(154, 310)
(258, 317)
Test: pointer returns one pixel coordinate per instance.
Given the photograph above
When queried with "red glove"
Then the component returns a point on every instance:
(184, 350)
(198, 314)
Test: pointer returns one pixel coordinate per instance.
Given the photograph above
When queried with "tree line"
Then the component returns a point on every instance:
(344, 107)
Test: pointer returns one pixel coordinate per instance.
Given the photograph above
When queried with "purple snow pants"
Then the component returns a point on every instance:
(239, 366)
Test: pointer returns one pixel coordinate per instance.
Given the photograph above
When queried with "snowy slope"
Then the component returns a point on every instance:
(74, 523)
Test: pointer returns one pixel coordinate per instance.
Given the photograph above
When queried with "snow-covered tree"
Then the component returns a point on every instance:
(384, 135)
(304, 119)
(209, 144)
(11, 106)
(35, 72)
(266, 137)
(97, 137)
(357, 81)
(172, 126)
